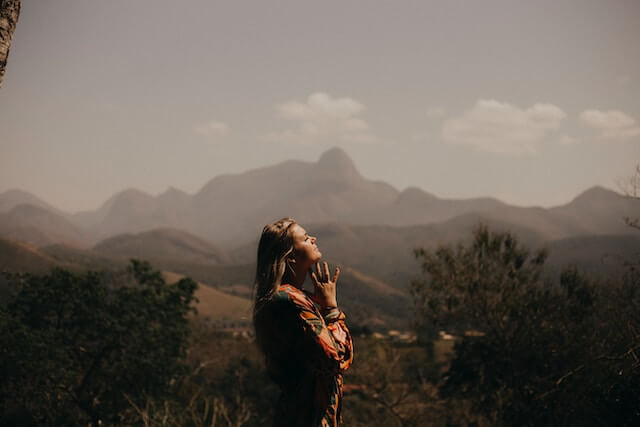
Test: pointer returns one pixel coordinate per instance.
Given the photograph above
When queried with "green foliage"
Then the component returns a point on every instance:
(473, 287)
(530, 352)
(76, 351)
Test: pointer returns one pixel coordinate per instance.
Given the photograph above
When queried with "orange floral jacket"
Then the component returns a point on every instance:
(306, 351)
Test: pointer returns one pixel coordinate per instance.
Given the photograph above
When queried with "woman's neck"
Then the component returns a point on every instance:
(296, 279)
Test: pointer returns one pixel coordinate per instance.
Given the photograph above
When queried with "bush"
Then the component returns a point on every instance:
(530, 351)
(76, 351)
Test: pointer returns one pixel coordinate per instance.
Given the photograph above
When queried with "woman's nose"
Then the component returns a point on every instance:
(313, 239)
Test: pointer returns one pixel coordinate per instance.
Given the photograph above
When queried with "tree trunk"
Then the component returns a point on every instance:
(9, 12)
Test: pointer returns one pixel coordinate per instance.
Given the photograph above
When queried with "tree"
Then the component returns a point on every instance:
(631, 188)
(530, 351)
(9, 12)
(473, 287)
(76, 351)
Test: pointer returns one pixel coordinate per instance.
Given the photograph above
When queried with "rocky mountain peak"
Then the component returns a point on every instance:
(336, 162)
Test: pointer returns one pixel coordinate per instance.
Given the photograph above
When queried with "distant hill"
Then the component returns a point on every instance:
(130, 210)
(86, 259)
(367, 300)
(414, 206)
(231, 209)
(377, 262)
(216, 305)
(603, 256)
(162, 244)
(598, 209)
(15, 257)
(12, 198)
(386, 252)
(18, 257)
(39, 226)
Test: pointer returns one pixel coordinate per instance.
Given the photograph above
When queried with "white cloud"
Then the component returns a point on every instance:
(322, 118)
(213, 129)
(611, 124)
(503, 128)
(435, 112)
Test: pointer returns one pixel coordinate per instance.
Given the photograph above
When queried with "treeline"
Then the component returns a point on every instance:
(98, 349)
(536, 351)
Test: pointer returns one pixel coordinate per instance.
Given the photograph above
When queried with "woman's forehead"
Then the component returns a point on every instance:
(297, 230)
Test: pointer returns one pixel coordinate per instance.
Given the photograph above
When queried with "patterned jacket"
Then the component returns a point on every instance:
(306, 351)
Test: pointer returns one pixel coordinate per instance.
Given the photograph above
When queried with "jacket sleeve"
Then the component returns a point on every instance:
(327, 339)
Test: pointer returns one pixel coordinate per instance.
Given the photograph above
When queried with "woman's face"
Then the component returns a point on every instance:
(305, 251)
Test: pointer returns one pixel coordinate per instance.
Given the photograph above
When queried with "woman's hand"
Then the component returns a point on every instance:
(323, 286)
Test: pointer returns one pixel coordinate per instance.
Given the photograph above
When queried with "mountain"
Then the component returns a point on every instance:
(605, 256)
(162, 244)
(231, 209)
(130, 210)
(12, 198)
(328, 190)
(22, 257)
(414, 206)
(39, 226)
(598, 209)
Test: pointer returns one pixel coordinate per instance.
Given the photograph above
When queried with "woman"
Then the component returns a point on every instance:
(306, 343)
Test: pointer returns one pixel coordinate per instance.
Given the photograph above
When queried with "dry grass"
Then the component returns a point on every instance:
(214, 304)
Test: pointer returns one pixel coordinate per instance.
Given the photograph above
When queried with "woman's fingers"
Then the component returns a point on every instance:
(321, 275)
(314, 278)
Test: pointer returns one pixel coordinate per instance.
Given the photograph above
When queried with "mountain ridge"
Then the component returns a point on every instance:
(232, 208)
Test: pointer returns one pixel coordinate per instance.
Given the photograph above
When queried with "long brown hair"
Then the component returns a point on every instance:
(276, 244)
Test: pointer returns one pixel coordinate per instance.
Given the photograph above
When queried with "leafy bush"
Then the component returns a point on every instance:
(530, 351)
(76, 351)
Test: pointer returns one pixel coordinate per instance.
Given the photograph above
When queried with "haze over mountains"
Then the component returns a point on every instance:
(369, 227)
(231, 209)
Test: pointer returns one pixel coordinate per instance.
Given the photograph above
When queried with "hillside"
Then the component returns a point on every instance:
(82, 258)
(22, 257)
(12, 198)
(386, 252)
(162, 244)
(215, 305)
(601, 256)
(39, 226)
(227, 289)
(598, 209)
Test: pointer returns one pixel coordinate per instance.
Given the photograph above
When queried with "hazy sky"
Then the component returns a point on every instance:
(531, 102)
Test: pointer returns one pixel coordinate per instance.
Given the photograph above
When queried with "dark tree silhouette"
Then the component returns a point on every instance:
(9, 12)
(531, 350)
(74, 350)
